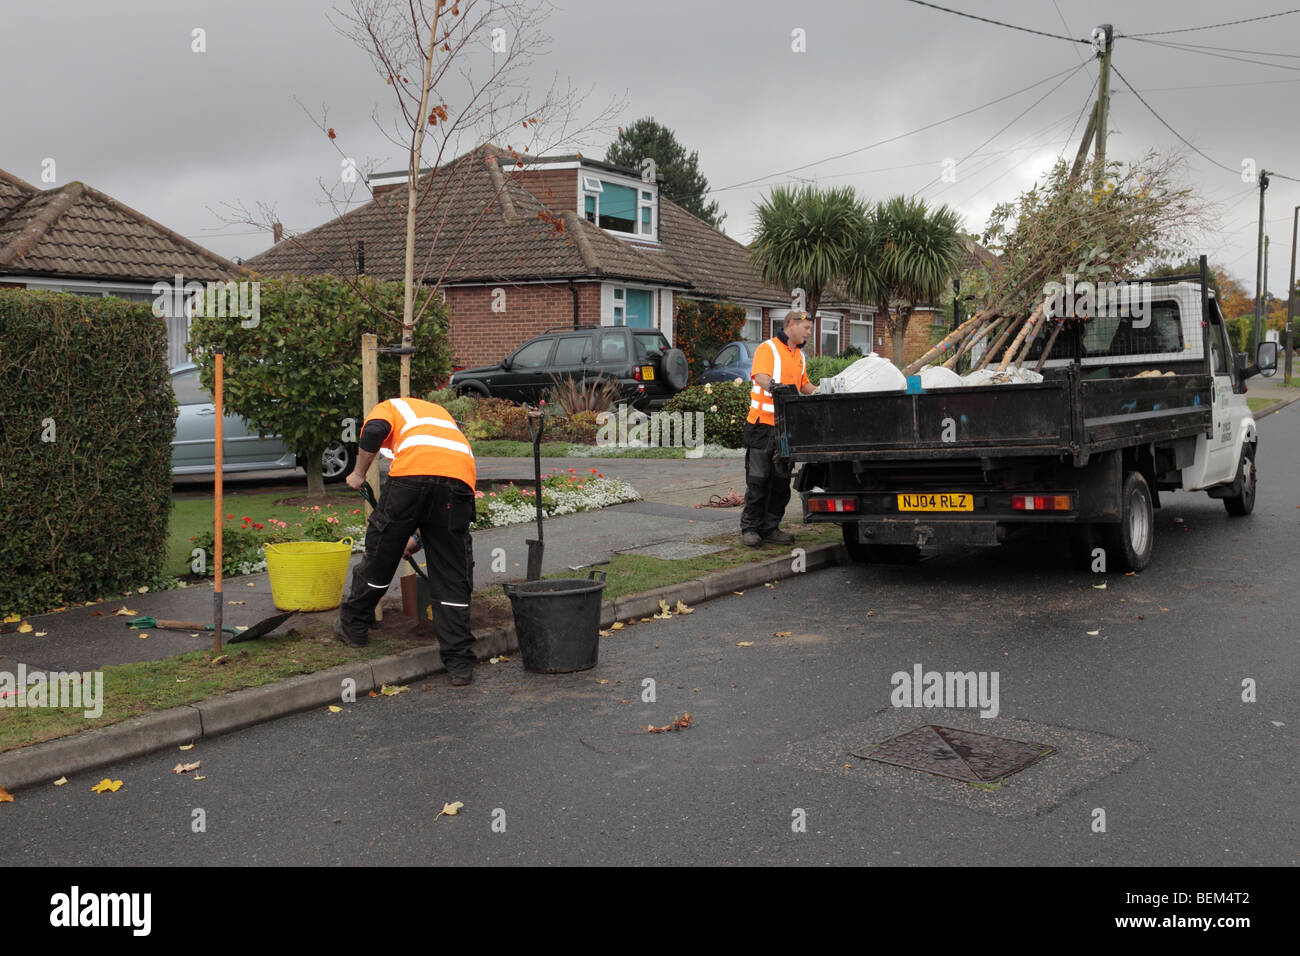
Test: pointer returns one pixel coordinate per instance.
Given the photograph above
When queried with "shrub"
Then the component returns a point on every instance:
(569, 396)
(86, 423)
(824, 366)
(578, 428)
(702, 328)
(852, 352)
(499, 418)
(725, 406)
(460, 408)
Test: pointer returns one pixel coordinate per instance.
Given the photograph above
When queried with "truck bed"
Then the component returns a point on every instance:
(1062, 416)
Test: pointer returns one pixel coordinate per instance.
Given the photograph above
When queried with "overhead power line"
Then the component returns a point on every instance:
(1222, 56)
(999, 23)
(1212, 26)
(893, 139)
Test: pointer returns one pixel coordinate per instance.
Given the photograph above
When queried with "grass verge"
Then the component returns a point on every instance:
(131, 690)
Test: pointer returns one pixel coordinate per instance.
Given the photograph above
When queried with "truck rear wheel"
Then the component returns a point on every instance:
(1243, 503)
(1129, 544)
(877, 553)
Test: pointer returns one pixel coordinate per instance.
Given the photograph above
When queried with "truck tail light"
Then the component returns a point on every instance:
(833, 505)
(1041, 502)
(636, 372)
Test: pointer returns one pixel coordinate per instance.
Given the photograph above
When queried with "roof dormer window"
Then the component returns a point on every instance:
(619, 207)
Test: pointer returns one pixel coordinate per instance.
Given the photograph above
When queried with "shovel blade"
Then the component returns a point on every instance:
(535, 549)
(261, 628)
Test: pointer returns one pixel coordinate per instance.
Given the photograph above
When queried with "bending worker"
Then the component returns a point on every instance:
(431, 487)
(778, 361)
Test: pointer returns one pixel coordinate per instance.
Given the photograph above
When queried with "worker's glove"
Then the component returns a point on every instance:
(413, 545)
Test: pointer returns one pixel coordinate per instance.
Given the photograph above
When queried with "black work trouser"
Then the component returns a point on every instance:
(443, 509)
(767, 481)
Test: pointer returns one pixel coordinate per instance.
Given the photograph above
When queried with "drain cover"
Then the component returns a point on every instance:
(958, 754)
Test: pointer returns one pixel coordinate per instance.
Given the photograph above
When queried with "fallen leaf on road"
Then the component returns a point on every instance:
(96, 613)
(200, 778)
(106, 785)
(241, 627)
(195, 634)
(40, 633)
(664, 612)
(604, 633)
(1100, 587)
(498, 659)
(393, 691)
(236, 602)
(680, 723)
(13, 618)
(6, 796)
(644, 620)
(744, 643)
(186, 767)
(334, 709)
(61, 781)
(737, 592)
(1164, 609)
(144, 636)
(25, 628)
(780, 634)
(142, 589)
(768, 584)
(1129, 574)
(616, 626)
(451, 809)
(252, 584)
(124, 611)
(185, 747)
(1093, 633)
(683, 609)
(373, 693)
(849, 766)
(601, 680)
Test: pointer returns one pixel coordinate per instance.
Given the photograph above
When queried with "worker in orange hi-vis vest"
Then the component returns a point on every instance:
(430, 486)
(778, 361)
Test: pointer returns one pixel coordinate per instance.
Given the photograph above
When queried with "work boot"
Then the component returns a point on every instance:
(751, 539)
(462, 680)
(779, 537)
(343, 636)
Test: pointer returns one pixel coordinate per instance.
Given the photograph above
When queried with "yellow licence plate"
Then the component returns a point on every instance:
(647, 373)
(950, 501)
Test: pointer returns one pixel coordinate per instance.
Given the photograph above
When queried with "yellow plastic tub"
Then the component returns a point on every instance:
(308, 575)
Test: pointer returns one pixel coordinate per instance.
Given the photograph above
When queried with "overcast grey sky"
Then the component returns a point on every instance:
(113, 93)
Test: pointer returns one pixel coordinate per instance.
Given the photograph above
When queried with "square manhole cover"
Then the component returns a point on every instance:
(964, 755)
(677, 550)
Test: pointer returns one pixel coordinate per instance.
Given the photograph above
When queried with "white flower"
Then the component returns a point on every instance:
(737, 381)
(713, 408)
(708, 389)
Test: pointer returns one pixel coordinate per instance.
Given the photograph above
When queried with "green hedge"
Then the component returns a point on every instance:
(725, 406)
(84, 514)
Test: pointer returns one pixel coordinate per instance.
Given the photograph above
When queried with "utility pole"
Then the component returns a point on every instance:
(1259, 264)
(1290, 299)
(1107, 36)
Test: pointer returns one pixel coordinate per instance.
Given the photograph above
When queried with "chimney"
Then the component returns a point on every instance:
(277, 232)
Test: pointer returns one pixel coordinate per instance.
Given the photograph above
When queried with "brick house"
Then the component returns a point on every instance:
(76, 239)
(559, 241)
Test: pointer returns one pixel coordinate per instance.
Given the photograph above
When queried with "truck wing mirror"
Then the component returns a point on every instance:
(1265, 360)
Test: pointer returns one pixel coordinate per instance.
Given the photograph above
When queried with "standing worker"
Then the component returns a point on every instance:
(778, 361)
(431, 487)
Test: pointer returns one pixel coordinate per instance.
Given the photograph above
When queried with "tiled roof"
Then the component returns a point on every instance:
(488, 226)
(77, 231)
(717, 265)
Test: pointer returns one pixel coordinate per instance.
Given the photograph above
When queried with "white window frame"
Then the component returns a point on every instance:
(613, 306)
(867, 320)
(592, 184)
(823, 332)
(753, 316)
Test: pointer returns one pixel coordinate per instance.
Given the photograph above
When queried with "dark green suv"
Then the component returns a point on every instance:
(647, 370)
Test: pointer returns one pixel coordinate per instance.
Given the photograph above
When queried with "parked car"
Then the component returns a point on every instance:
(242, 448)
(645, 367)
(734, 360)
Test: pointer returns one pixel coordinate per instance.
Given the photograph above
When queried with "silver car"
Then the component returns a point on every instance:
(243, 450)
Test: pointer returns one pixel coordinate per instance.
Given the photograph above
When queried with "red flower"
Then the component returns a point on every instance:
(228, 517)
(257, 526)
(593, 471)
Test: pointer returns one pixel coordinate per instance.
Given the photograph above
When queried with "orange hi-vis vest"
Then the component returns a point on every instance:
(786, 365)
(423, 440)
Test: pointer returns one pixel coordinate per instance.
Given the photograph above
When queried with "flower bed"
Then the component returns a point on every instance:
(242, 545)
(562, 494)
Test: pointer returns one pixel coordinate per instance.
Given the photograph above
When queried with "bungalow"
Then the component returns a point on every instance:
(523, 244)
(76, 239)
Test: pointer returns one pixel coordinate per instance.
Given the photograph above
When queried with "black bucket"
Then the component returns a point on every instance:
(557, 622)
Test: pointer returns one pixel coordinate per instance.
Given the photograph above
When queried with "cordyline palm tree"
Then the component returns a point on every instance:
(806, 238)
(906, 257)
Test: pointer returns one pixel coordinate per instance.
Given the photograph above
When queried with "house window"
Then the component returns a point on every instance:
(753, 328)
(634, 307)
(861, 331)
(618, 207)
(620, 306)
(830, 335)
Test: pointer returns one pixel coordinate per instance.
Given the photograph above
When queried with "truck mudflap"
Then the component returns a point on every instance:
(922, 532)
